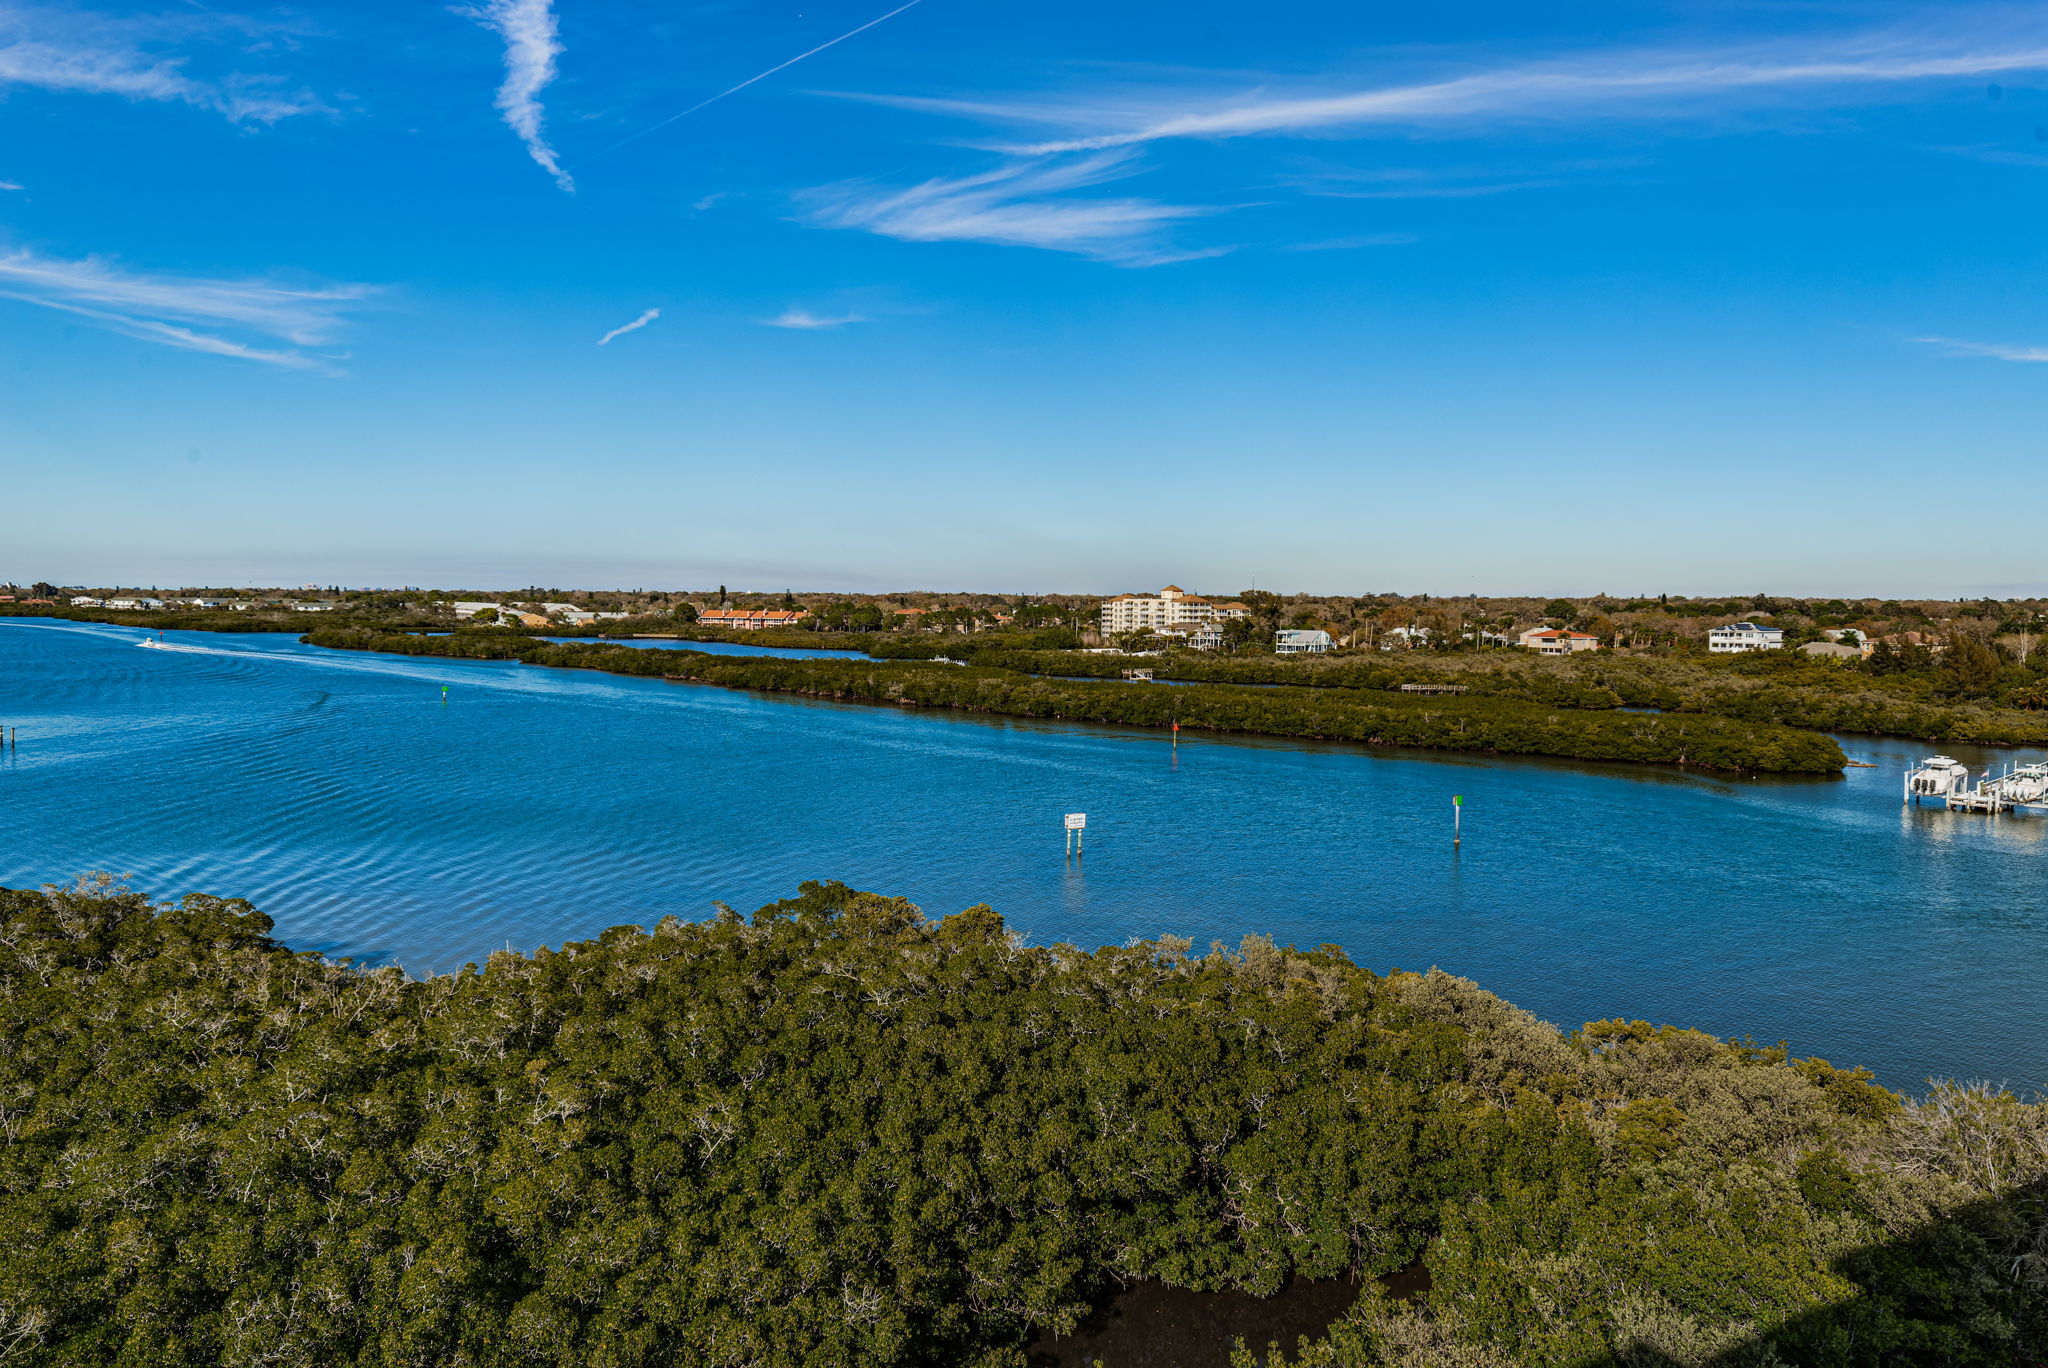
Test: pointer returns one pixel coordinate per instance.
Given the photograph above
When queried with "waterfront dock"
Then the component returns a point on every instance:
(2018, 788)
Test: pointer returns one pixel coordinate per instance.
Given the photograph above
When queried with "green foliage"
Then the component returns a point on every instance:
(227, 620)
(1900, 691)
(1971, 666)
(1502, 725)
(836, 1132)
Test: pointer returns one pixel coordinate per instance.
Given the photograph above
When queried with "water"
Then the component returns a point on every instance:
(340, 794)
(719, 648)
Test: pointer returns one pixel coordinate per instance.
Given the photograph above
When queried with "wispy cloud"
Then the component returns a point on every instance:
(1595, 84)
(1341, 244)
(531, 47)
(1442, 182)
(137, 58)
(2003, 156)
(1997, 351)
(642, 321)
(1028, 203)
(12, 185)
(240, 318)
(806, 320)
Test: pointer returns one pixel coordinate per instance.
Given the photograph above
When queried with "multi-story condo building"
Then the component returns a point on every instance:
(1744, 636)
(752, 619)
(1172, 606)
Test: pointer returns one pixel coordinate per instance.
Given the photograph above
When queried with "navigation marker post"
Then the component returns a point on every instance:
(1077, 833)
(1457, 820)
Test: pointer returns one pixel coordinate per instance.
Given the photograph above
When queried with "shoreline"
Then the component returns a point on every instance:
(1482, 725)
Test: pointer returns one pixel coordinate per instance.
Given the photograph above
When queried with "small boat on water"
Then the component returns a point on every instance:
(1937, 778)
(2024, 785)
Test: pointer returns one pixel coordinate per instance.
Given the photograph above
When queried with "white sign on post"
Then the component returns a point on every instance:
(1077, 821)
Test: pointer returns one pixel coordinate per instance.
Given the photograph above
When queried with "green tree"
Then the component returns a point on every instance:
(1969, 666)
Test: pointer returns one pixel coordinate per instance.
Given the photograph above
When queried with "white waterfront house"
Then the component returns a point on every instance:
(1299, 641)
(86, 601)
(569, 613)
(1404, 638)
(1744, 636)
(135, 603)
(1172, 606)
(465, 609)
(1557, 641)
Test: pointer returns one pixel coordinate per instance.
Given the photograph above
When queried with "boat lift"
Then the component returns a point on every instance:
(2019, 788)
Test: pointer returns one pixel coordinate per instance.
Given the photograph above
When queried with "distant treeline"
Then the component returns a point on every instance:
(1503, 725)
(839, 1133)
(224, 619)
(1785, 688)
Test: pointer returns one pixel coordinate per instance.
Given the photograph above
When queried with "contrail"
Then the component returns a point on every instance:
(635, 137)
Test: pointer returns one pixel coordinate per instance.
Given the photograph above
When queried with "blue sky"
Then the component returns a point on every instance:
(1543, 298)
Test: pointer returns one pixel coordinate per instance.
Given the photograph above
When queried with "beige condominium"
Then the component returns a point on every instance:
(1171, 607)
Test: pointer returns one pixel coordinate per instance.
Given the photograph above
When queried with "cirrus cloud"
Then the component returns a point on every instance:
(805, 320)
(1996, 351)
(1029, 203)
(246, 319)
(142, 57)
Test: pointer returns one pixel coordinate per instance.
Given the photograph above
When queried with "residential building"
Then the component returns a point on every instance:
(134, 603)
(1208, 637)
(1300, 641)
(204, 603)
(1172, 606)
(314, 606)
(87, 601)
(751, 619)
(1557, 641)
(1744, 636)
(1906, 641)
(470, 610)
(1404, 638)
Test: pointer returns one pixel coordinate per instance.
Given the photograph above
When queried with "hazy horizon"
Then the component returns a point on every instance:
(158, 584)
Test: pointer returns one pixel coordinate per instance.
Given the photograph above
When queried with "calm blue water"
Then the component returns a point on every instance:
(340, 794)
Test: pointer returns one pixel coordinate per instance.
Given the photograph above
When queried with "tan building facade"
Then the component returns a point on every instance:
(1557, 641)
(1172, 606)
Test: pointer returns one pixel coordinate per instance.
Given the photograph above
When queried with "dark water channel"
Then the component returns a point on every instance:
(1148, 1324)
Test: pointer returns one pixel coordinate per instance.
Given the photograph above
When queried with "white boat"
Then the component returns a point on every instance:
(1937, 778)
(2024, 785)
